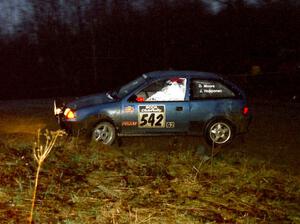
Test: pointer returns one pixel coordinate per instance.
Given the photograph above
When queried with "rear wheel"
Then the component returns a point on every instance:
(105, 133)
(219, 132)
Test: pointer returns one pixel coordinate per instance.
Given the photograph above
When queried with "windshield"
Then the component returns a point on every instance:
(129, 87)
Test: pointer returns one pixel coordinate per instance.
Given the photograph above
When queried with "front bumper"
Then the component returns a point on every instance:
(71, 127)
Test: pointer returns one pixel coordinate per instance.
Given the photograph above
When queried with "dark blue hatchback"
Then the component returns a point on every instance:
(162, 103)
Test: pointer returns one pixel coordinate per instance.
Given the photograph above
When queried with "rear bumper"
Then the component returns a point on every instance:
(244, 125)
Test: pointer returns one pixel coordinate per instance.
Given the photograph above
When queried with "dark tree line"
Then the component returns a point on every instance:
(82, 46)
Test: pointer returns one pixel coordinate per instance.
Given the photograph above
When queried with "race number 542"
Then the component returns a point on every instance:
(152, 116)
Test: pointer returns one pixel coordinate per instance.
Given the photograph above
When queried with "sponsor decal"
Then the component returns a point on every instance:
(129, 109)
(152, 116)
(129, 123)
(170, 124)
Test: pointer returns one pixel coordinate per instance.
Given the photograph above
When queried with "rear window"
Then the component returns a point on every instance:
(209, 89)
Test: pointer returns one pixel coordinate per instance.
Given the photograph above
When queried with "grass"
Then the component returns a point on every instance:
(136, 183)
(40, 153)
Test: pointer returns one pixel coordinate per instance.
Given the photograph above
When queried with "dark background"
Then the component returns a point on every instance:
(79, 47)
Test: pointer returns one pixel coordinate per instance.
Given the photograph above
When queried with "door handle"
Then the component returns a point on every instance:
(179, 108)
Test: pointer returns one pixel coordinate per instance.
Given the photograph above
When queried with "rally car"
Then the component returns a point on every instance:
(161, 103)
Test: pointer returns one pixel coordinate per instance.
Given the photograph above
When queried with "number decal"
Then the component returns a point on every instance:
(151, 119)
(159, 119)
(143, 120)
(170, 124)
(152, 116)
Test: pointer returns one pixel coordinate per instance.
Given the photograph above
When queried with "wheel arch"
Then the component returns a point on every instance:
(93, 121)
(100, 122)
(219, 118)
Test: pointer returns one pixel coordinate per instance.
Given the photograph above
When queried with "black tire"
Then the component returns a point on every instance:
(104, 132)
(219, 132)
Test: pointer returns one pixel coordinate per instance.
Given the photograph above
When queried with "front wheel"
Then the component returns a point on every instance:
(219, 132)
(105, 133)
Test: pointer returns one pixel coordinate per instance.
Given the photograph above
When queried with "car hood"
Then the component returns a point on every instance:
(90, 100)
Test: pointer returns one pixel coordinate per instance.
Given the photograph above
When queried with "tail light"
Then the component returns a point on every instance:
(245, 110)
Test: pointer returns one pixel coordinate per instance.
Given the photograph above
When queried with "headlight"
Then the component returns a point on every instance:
(69, 114)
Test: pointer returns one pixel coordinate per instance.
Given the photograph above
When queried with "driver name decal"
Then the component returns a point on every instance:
(152, 116)
(208, 88)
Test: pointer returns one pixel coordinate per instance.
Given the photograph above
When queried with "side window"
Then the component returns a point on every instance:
(171, 89)
(208, 89)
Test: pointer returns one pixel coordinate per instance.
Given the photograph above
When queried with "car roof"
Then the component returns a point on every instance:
(192, 74)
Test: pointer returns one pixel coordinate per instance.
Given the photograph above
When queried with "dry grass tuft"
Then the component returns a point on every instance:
(40, 153)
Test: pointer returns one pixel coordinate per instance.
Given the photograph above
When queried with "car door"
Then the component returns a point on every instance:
(159, 108)
(209, 99)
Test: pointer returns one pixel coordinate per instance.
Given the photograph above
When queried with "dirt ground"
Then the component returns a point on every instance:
(273, 136)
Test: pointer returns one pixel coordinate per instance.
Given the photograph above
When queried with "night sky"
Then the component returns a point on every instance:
(58, 48)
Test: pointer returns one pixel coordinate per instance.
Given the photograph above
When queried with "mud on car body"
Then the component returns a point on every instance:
(161, 103)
